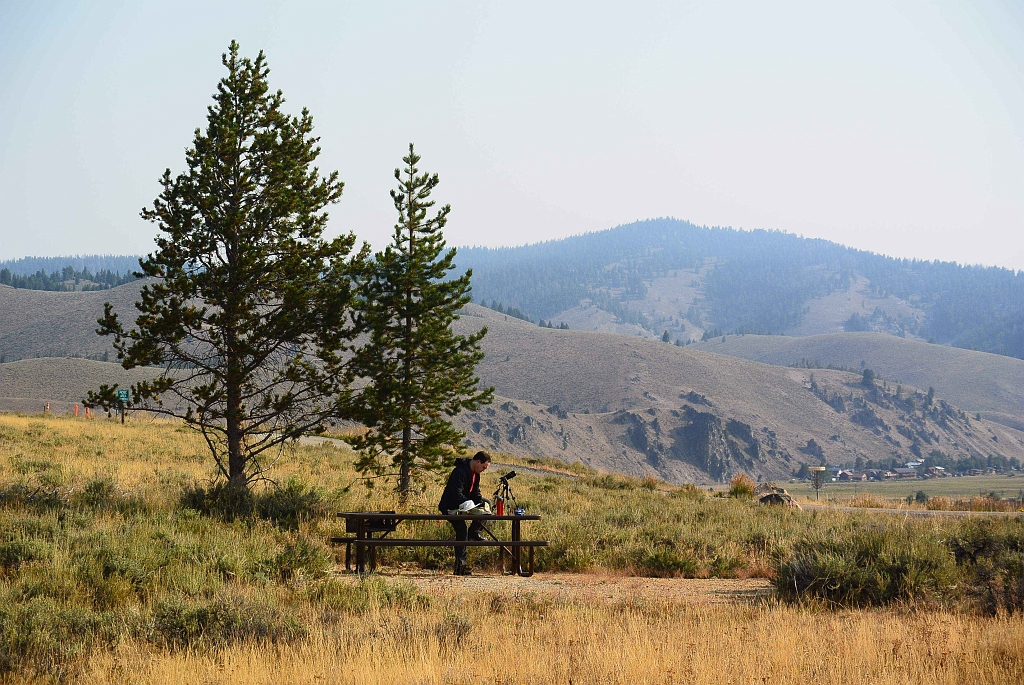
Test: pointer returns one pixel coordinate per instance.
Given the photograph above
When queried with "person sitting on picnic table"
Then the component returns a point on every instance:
(464, 486)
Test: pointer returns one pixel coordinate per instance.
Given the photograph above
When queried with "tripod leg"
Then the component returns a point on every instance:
(504, 549)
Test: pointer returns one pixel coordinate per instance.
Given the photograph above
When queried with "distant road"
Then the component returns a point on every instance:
(926, 513)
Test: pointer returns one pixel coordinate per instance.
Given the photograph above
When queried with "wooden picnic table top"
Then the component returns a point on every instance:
(377, 516)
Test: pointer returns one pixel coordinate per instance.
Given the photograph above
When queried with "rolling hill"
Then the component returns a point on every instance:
(638, 406)
(621, 403)
(36, 323)
(974, 381)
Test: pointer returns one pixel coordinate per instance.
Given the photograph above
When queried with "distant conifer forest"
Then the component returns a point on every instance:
(752, 281)
(755, 280)
(63, 274)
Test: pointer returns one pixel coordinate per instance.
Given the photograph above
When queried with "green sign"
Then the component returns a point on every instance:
(122, 395)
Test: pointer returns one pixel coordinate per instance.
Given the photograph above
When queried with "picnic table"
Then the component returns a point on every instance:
(365, 524)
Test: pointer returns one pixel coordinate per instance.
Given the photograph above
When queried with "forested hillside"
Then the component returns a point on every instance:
(753, 281)
(67, 274)
(745, 281)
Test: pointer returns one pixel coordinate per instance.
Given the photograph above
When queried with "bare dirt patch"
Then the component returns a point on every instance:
(591, 587)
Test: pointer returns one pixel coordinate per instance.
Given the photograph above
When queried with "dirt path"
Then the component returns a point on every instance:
(585, 586)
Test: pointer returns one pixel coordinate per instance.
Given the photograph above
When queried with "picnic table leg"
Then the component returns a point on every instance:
(361, 548)
(530, 573)
(517, 551)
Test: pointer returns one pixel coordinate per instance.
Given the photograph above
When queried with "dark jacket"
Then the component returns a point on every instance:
(457, 490)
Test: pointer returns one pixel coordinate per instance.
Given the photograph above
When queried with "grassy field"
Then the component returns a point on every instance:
(966, 486)
(509, 638)
(110, 571)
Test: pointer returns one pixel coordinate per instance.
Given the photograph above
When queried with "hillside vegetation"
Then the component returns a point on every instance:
(661, 275)
(116, 566)
(755, 281)
(27, 385)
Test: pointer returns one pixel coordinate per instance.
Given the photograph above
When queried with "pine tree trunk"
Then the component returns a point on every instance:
(404, 479)
(233, 419)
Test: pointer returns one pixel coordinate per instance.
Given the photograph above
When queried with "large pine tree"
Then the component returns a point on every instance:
(419, 373)
(249, 310)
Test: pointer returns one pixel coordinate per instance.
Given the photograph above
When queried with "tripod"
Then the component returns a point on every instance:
(505, 493)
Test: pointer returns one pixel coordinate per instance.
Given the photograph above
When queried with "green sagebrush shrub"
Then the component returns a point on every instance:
(94, 495)
(977, 564)
(43, 637)
(991, 554)
(284, 505)
(666, 563)
(302, 558)
(333, 596)
(184, 622)
(14, 553)
(868, 566)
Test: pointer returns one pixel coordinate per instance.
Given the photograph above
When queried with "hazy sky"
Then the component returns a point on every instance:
(894, 127)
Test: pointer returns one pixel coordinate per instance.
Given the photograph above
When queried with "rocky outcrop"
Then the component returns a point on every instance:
(769, 493)
(702, 441)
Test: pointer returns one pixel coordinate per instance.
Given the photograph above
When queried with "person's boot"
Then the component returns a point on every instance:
(462, 569)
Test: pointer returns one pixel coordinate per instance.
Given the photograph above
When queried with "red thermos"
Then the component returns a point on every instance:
(499, 506)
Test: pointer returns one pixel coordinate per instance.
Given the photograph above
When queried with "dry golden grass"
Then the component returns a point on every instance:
(979, 503)
(451, 632)
(510, 639)
(144, 452)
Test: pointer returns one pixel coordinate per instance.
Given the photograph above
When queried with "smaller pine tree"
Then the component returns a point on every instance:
(418, 371)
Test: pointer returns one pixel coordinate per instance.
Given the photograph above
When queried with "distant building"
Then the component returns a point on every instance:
(906, 473)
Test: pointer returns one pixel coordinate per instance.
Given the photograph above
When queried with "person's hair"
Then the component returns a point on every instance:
(482, 456)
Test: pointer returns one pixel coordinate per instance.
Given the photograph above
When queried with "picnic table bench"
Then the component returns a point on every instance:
(364, 524)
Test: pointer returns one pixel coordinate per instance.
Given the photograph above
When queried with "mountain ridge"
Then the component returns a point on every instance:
(753, 281)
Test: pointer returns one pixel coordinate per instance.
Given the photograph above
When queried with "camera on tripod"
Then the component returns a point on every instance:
(505, 495)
